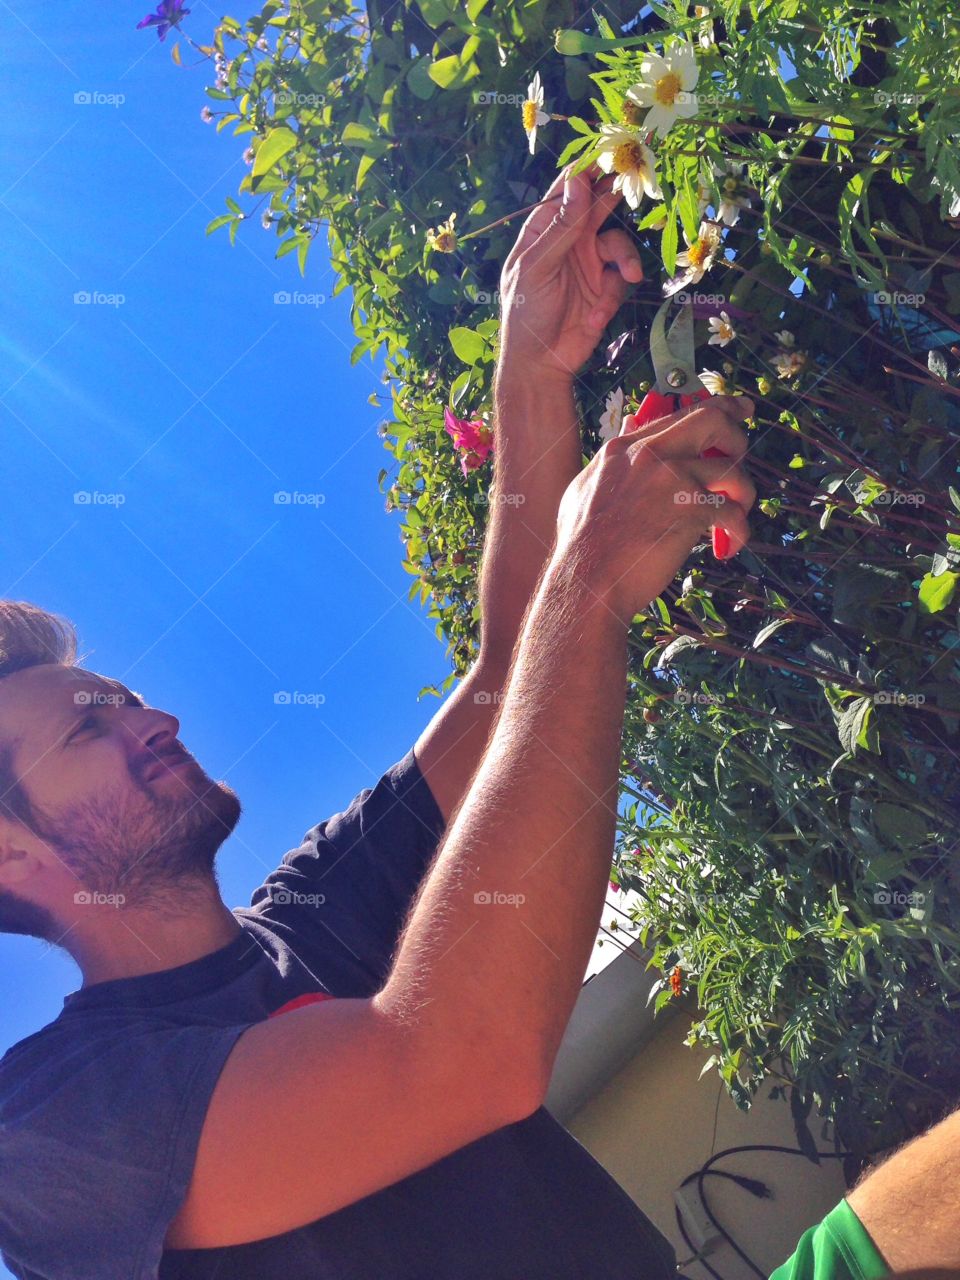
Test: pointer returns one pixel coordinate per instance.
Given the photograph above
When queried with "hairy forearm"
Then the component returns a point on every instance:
(537, 453)
(534, 838)
(910, 1205)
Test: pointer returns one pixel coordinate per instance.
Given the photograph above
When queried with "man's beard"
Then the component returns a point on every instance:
(146, 845)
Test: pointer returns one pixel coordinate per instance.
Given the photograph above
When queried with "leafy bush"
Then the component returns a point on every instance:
(790, 772)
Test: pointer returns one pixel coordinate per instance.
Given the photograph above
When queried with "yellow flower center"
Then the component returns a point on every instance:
(667, 88)
(697, 253)
(445, 241)
(628, 157)
(730, 185)
(529, 114)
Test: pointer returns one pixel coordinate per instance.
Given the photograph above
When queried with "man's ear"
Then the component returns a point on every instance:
(16, 865)
(16, 862)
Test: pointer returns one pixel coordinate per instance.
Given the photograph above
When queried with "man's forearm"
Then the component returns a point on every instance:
(498, 941)
(536, 455)
(537, 452)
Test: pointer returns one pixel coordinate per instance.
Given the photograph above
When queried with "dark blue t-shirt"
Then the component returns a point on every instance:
(101, 1111)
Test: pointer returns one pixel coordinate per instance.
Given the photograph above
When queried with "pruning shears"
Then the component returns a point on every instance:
(677, 385)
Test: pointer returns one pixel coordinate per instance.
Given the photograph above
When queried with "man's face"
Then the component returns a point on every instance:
(118, 801)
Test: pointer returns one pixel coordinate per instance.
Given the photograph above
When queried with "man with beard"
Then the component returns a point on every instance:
(346, 1078)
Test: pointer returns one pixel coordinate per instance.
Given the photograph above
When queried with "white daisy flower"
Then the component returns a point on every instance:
(715, 383)
(533, 112)
(706, 27)
(612, 416)
(732, 198)
(722, 331)
(789, 363)
(785, 338)
(620, 151)
(697, 258)
(666, 86)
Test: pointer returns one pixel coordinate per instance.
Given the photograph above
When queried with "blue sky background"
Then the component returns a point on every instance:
(196, 400)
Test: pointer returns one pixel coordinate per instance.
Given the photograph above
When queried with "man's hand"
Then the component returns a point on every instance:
(563, 282)
(631, 517)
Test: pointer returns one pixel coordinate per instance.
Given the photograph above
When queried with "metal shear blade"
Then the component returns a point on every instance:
(673, 352)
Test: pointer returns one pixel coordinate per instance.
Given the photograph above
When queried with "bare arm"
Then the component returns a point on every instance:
(462, 1037)
(910, 1205)
(561, 284)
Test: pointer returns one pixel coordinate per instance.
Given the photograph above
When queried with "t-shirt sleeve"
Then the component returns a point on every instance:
(342, 897)
(98, 1139)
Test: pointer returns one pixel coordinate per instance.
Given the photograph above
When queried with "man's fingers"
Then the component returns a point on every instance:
(714, 423)
(540, 217)
(567, 224)
(552, 230)
(620, 248)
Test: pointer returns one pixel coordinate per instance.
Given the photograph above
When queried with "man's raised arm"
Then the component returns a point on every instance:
(558, 294)
(461, 1038)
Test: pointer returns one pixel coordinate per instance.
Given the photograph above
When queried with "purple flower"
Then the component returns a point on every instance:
(169, 14)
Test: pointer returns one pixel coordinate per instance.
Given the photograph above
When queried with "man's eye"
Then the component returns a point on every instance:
(89, 723)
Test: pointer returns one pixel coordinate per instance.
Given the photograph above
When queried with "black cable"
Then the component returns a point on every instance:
(705, 1169)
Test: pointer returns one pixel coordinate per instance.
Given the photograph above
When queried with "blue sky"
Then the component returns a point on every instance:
(195, 399)
(181, 398)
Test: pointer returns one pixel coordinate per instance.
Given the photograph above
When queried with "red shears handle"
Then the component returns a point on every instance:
(654, 406)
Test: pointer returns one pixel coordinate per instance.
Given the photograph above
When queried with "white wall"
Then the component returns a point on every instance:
(653, 1124)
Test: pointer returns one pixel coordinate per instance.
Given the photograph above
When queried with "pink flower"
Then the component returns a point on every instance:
(473, 438)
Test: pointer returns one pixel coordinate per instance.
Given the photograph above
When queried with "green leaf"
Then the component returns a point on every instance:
(689, 212)
(669, 653)
(766, 632)
(418, 78)
(936, 592)
(273, 148)
(570, 150)
(856, 727)
(451, 73)
(468, 345)
(222, 221)
(669, 241)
